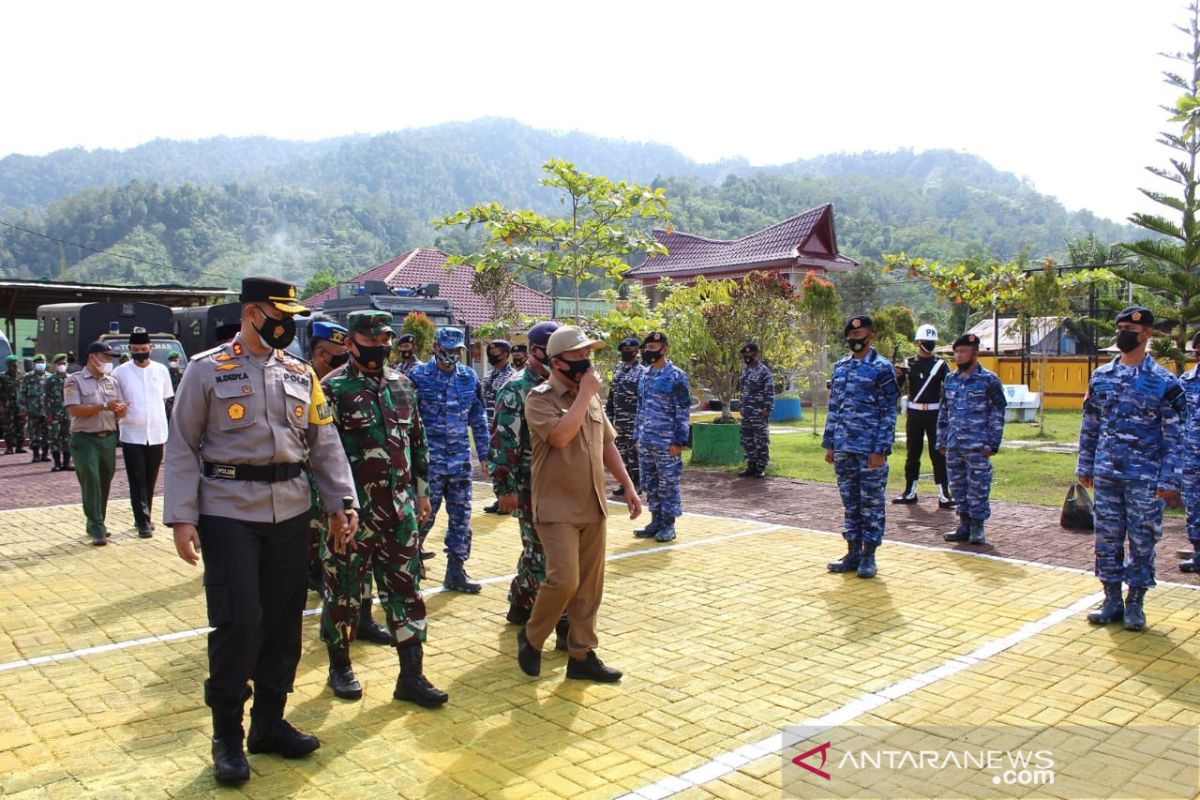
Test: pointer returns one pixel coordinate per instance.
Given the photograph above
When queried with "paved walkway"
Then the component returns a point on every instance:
(726, 635)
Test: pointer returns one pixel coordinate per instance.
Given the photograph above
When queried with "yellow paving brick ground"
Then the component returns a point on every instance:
(722, 643)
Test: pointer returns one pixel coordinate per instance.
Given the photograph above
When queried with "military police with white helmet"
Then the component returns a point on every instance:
(923, 375)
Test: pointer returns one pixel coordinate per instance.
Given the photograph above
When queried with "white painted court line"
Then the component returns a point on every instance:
(734, 760)
(309, 612)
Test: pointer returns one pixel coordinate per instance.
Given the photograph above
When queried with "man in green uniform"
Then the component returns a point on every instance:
(14, 421)
(57, 417)
(375, 410)
(31, 397)
(94, 401)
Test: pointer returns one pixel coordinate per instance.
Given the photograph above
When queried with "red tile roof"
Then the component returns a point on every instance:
(805, 240)
(427, 265)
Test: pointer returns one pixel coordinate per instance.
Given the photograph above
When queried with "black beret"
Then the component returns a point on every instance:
(861, 321)
(406, 338)
(1138, 314)
(500, 344)
(967, 340)
(630, 341)
(750, 347)
(658, 337)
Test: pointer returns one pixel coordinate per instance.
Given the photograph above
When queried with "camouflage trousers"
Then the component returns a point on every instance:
(38, 430)
(14, 425)
(456, 490)
(531, 566)
(628, 447)
(970, 474)
(1191, 502)
(755, 443)
(387, 546)
(661, 473)
(60, 435)
(864, 498)
(1127, 510)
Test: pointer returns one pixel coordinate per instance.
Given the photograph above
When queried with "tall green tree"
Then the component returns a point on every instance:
(595, 236)
(1167, 264)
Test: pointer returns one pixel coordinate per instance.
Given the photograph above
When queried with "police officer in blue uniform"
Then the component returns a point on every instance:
(663, 420)
(859, 430)
(1131, 454)
(970, 426)
(451, 405)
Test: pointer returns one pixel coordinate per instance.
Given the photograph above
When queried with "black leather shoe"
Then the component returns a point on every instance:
(371, 631)
(517, 615)
(278, 736)
(494, 508)
(146, 532)
(591, 668)
(746, 473)
(530, 660)
(99, 539)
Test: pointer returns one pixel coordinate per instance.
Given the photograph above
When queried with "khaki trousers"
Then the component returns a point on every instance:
(574, 583)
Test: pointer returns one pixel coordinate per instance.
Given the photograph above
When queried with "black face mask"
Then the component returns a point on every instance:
(927, 345)
(339, 360)
(405, 353)
(277, 333)
(650, 356)
(371, 357)
(575, 369)
(748, 359)
(628, 355)
(1127, 341)
(493, 360)
(856, 345)
(539, 356)
(140, 357)
(518, 361)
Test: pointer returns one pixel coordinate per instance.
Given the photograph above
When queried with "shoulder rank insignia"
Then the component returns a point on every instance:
(238, 349)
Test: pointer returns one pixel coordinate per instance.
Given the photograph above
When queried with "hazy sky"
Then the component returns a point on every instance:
(1064, 92)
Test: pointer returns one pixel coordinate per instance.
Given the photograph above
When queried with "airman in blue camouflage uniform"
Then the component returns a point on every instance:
(860, 427)
(664, 415)
(1131, 453)
(622, 408)
(758, 398)
(1190, 381)
(970, 426)
(406, 353)
(451, 405)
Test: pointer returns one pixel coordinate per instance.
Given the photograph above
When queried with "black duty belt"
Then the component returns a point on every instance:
(271, 473)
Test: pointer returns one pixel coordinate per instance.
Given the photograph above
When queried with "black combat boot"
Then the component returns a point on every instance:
(271, 733)
(341, 675)
(20, 449)
(1191, 564)
(229, 758)
(37, 456)
(848, 562)
(67, 465)
(591, 668)
(650, 530)
(517, 615)
(368, 629)
(528, 658)
(494, 508)
(748, 472)
(962, 533)
(46, 455)
(1112, 609)
(976, 536)
(57, 462)
(945, 501)
(412, 685)
(562, 630)
(1135, 615)
(457, 579)
(666, 532)
(866, 567)
(909, 497)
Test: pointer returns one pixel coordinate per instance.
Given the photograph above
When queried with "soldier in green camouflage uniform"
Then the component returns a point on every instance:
(14, 420)
(31, 396)
(57, 416)
(375, 410)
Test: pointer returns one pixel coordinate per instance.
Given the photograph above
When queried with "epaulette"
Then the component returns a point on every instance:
(541, 388)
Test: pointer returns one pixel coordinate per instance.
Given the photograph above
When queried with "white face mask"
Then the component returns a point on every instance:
(39, 367)
(61, 369)
(106, 368)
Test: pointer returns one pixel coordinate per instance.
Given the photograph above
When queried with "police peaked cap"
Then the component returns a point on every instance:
(967, 340)
(861, 321)
(658, 337)
(280, 294)
(1137, 314)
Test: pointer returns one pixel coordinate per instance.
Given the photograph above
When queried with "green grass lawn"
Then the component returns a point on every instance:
(1021, 475)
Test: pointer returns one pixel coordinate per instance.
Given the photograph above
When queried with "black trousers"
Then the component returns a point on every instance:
(141, 468)
(919, 427)
(255, 583)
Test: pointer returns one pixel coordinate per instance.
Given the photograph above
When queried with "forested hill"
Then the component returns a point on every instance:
(212, 211)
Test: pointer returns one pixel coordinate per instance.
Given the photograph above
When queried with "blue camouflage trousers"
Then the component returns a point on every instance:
(1191, 502)
(1133, 510)
(756, 443)
(864, 497)
(661, 473)
(970, 474)
(456, 490)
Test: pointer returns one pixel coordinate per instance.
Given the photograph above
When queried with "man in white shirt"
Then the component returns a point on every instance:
(146, 386)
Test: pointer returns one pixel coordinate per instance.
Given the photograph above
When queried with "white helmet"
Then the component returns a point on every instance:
(926, 333)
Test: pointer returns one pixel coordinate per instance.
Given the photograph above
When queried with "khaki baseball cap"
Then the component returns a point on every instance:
(569, 338)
